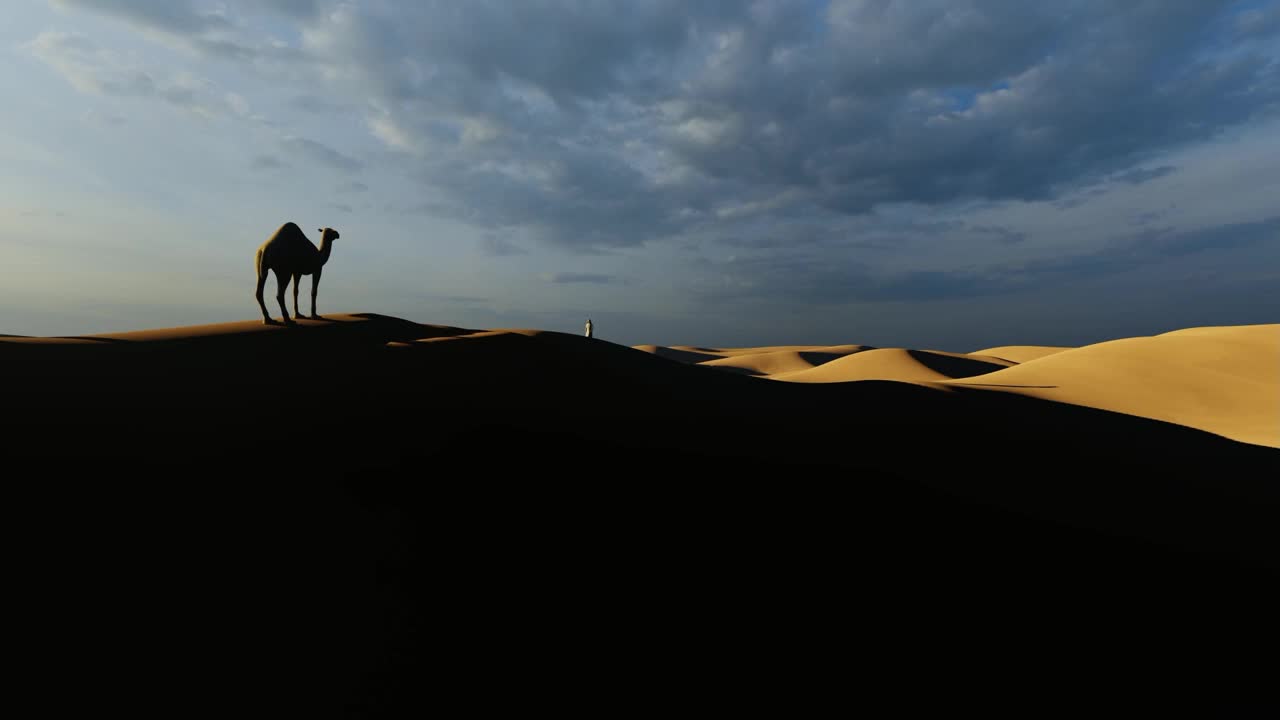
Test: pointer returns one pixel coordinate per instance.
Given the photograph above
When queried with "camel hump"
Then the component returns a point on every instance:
(287, 233)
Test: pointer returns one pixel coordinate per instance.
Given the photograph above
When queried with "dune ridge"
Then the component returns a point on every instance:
(1220, 379)
(1224, 380)
(313, 499)
(772, 362)
(896, 364)
(1020, 353)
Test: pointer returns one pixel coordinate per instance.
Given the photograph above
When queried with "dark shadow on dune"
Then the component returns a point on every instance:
(355, 530)
(1009, 386)
(813, 357)
(997, 357)
(683, 356)
(732, 369)
(953, 367)
(821, 357)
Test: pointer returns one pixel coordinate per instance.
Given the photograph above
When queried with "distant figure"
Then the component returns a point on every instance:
(588, 327)
(290, 254)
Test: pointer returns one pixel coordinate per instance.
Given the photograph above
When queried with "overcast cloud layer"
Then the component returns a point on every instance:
(851, 170)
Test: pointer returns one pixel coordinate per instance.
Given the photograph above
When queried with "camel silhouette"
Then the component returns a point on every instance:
(289, 254)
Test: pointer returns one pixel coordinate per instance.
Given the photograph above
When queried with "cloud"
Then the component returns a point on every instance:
(815, 278)
(1002, 235)
(573, 278)
(316, 104)
(320, 153)
(498, 246)
(615, 123)
(268, 162)
(1137, 176)
(94, 70)
(1258, 23)
(298, 9)
(841, 106)
(177, 16)
(211, 29)
(108, 119)
(1157, 244)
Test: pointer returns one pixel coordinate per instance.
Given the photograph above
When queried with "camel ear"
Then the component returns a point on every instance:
(320, 230)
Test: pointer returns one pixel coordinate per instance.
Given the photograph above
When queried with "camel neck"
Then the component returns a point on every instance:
(325, 248)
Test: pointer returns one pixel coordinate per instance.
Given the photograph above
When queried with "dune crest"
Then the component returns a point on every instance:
(1019, 353)
(680, 353)
(1224, 380)
(896, 364)
(776, 362)
(1220, 379)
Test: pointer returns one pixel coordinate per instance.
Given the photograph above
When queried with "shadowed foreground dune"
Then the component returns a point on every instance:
(362, 513)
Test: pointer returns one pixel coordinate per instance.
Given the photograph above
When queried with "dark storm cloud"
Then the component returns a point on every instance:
(815, 278)
(845, 105)
(1137, 176)
(616, 123)
(1158, 244)
(1257, 23)
(873, 233)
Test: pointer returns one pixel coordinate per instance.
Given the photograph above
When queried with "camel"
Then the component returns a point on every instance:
(290, 254)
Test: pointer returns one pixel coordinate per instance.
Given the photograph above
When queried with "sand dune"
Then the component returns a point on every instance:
(1224, 380)
(681, 354)
(313, 499)
(754, 360)
(896, 364)
(1019, 353)
(773, 362)
(741, 351)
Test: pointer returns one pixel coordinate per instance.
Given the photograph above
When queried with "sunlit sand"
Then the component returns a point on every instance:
(1224, 380)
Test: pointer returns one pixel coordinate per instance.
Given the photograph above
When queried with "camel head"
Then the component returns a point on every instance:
(328, 234)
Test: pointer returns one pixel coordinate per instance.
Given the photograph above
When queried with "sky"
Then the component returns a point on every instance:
(944, 174)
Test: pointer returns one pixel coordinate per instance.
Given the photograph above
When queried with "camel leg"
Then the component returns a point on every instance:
(262, 282)
(282, 282)
(297, 280)
(315, 284)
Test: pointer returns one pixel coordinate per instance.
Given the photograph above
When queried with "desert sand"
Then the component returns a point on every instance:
(314, 506)
(1224, 380)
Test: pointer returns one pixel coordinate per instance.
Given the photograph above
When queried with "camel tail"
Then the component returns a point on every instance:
(257, 263)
